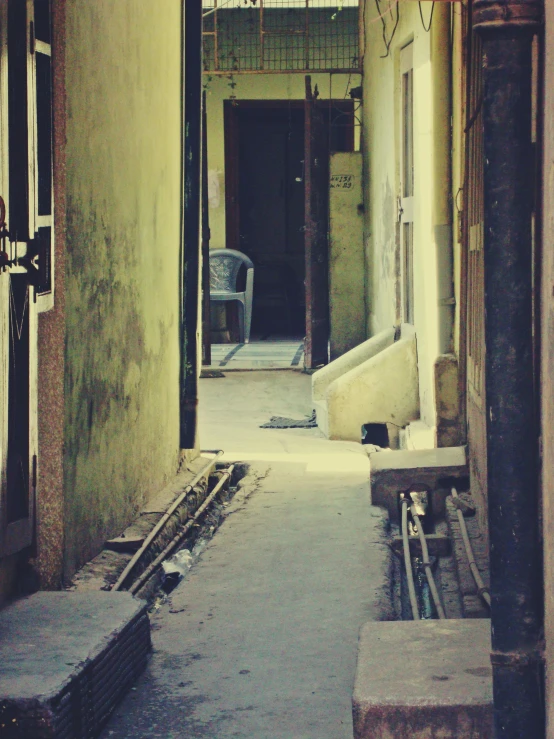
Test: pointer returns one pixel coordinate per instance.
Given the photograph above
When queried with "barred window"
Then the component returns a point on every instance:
(281, 36)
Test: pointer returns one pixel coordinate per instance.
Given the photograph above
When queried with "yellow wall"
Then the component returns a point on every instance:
(253, 87)
(123, 85)
(346, 254)
(381, 135)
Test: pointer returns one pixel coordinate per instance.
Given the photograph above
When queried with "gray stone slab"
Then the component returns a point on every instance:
(422, 679)
(66, 659)
(392, 472)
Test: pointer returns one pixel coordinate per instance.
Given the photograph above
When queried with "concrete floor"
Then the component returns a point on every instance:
(260, 640)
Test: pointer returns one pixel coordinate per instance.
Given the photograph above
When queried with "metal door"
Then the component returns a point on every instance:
(26, 235)
(316, 183)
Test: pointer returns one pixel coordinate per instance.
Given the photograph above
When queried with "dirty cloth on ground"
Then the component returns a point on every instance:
(282, 422)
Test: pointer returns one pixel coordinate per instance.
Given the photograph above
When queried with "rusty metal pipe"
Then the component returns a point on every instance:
(164, 519)
(427, 566)
(408, 560)
(512, 435)
(178, 538)
(481, 587)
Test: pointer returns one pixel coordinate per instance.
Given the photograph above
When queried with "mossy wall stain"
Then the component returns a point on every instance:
(123, 77)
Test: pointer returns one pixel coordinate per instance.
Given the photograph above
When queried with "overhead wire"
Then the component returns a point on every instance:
(382, 17)
(426, 28)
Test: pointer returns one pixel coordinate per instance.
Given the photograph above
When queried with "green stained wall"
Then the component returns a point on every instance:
(123, 149)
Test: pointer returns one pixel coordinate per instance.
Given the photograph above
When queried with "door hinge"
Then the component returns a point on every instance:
(400, 209)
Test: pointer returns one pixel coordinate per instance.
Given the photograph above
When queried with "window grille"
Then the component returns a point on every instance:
(281, 36)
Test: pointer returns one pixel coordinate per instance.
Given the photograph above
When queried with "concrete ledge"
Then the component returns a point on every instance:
(67, 659)
(423, 679)
(328, 374)
(383, 389)
(392, 472)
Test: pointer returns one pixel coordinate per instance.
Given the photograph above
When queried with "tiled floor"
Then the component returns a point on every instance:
(258, 355)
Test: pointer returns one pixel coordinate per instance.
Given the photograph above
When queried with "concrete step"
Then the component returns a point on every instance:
(393, 472)
(422, 679)
(66, 660)
(376, 382)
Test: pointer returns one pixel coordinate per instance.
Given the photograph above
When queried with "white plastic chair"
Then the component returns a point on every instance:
(225, 266)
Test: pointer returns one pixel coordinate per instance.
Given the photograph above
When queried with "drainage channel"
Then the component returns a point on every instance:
(163, 560)
(427, 567)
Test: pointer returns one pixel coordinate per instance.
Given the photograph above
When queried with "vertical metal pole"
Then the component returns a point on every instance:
(216, 38)
(206, 316)
(307, 35)
(512, 432)
(262, 36)
(191, 229)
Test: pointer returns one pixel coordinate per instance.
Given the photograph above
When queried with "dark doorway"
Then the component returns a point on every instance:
(271, 216)
(265, 201)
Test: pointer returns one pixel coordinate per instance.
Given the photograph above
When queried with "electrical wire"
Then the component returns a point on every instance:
(382, 17)
(223, 4)
(426, 28)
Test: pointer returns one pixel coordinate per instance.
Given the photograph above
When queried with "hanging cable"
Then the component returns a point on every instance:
(382, 17)
(408, 560)
(427, 565)
(426, 28)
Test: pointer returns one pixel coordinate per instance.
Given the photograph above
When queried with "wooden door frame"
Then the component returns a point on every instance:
(406, 215)
(231, 157)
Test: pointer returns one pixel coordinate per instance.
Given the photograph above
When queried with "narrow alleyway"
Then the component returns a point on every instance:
(260, 639)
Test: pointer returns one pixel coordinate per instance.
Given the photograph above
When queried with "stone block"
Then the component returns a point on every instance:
(67, 659)
(383, 389)
(393, 472)
(423, 679)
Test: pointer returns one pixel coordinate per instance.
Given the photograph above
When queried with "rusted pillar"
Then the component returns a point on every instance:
(507, 30)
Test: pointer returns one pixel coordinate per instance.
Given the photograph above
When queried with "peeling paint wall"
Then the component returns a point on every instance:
(382, 147)
(123, 150)
(346, 255)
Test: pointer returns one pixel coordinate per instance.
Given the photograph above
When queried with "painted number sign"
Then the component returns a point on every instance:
(342, 181)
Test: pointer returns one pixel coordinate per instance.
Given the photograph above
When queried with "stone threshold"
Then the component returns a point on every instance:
(423, 679)
(67, 660)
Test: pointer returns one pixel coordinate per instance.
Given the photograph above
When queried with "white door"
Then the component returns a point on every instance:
(406, 211)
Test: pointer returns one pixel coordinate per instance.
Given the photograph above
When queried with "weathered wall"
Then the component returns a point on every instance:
(346, 253)
(381, 135)
(547, 363)
(122, 77)
(51, 342)
(252, 87)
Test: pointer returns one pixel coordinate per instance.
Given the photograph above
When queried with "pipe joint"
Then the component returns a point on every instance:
(524, 16)
(521, 659)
